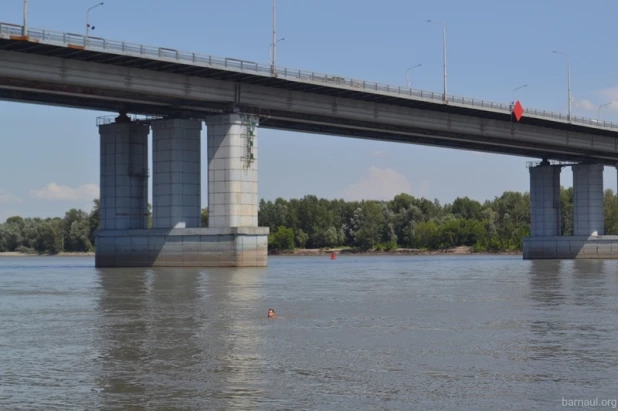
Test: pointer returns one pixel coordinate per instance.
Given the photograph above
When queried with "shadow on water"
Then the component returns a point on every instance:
(173, 337)
(569, 326)
(546, 282)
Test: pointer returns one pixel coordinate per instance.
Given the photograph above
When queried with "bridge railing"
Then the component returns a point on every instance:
(533, 164)
(8, 30)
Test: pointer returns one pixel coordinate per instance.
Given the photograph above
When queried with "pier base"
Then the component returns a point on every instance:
(183, 247)
(571, 247)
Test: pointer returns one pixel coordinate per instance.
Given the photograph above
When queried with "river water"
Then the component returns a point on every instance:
(370, 333)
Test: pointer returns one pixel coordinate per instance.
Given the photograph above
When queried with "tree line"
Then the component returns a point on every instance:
(312, 222)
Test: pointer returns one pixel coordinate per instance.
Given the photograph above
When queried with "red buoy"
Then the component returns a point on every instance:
(333, 256)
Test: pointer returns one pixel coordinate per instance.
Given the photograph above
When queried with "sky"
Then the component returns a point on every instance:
(49, 156)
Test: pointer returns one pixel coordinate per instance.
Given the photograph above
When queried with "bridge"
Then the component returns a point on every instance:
(173, 92)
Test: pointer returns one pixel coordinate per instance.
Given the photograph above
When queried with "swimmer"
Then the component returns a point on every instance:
(271, 313)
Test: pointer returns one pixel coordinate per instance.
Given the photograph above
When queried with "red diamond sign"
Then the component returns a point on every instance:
(518, 110)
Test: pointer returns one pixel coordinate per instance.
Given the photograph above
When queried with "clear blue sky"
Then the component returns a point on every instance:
(49, 157)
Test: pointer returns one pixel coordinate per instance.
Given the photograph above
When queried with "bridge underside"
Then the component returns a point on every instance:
(115, 102)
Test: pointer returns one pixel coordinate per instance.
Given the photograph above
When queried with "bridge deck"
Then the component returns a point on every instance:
(120, 53)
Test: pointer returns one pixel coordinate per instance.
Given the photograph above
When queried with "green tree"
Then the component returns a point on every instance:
(149, 215)
(300, 238)
(79, 236)
(566, 210)
(51, 236)
(466, 208)
(369, 225)
(204, 217)
(610, 205)
(11, 236)
(281, 239)
(94, 220)
(426, 235)
(70, 217)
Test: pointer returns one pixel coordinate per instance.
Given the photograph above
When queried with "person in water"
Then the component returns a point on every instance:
(271, 313)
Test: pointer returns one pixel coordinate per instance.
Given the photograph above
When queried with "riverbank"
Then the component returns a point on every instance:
(63, 254)
(399, 251)
(312, 252)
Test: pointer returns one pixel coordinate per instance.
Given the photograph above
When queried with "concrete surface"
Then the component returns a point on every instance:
(176, 183)
(232, 173)
(588, 207)
(188, 247)
(571, 247)
(124, 176)
(545, 201)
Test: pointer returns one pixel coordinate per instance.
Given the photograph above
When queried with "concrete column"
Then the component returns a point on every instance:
(232, 171)
(124, 175)
(176, 184)
(545, 201)
(588, 216)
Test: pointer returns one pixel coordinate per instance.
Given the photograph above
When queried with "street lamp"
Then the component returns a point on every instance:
(517, 88)
(408, 71)
(568, 78)
(443, 50)
(25, 28)
(274, 43)
(601, 106)
(271, 47)
(88, 17)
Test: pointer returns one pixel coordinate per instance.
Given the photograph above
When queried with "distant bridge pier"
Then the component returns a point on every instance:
(176, 238)
(588, 240)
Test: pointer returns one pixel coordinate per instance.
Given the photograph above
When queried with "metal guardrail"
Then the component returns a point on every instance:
(532, 164)
(8, 30)
(135, 118)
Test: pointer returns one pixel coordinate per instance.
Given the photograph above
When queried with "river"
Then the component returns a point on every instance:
(357, 333)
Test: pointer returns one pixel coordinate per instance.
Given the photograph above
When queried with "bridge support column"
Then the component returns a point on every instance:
(233, 184)
(177, 240)
(176, 181)
(123, 202)
(588, 240)
(545, 201)
(588, 213)
(232, 171)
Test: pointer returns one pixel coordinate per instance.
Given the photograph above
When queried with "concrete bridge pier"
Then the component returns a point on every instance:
(588, 208)
(176, 180)
(588, 240)
(545, 210)
(177, 239)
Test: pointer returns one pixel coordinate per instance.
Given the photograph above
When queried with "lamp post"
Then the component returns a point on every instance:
(514, 90)
(568, 79)
(601, 106)
(273, 44)
(408, 71)
(517, 88)
(88, 18)
(443, 51)
(25, 27)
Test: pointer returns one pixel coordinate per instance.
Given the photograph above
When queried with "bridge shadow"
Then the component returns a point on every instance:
(568, 324)
(169, 336)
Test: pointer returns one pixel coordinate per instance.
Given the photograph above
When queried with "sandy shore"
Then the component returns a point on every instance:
(313, 252)
(399, 251)
(16, 254)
